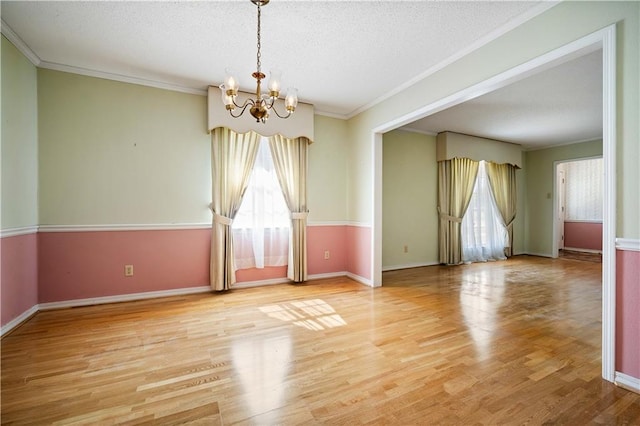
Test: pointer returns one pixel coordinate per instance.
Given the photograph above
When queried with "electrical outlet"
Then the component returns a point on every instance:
(128, 270)
(406, 249)
(326, 255)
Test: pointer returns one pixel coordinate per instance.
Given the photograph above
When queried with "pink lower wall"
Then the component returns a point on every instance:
(19, 275)
(326, 238)
(81, 265)
(628, 312)
(359, 251)
(583, 235)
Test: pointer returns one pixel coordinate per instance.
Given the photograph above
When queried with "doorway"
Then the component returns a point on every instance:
(605, 39)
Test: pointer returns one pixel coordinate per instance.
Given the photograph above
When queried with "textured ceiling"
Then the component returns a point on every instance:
(558, 105)
(343, 56)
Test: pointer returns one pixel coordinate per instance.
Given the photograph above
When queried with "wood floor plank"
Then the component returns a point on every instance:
(508, 342)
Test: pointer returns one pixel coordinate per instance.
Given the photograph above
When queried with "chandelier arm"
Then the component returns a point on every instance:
(246, 103)
(273, 108)
(243, 108)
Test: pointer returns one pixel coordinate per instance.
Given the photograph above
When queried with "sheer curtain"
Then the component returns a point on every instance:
(261, 226)
(483, 234)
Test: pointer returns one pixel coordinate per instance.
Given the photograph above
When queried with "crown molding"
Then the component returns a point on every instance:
(493, 35)
(20, 44)
(122, 78)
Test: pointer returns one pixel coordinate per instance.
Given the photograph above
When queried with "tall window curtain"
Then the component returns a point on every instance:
(502, 178)
(232, 159)
(261, 226)
(456, 178)
(483, 234)
(290, 159)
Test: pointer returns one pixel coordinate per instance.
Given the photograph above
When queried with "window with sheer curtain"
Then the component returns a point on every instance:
(261, 226)
(484, 237)
(584, 190)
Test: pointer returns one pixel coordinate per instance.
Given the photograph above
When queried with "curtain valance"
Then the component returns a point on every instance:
(300, 124)
(451, 145)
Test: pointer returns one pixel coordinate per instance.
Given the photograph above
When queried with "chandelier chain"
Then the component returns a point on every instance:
(258, 44)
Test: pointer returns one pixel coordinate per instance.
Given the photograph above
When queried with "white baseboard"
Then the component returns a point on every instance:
(122, 298)
(327, 275)
(285, 280)
(156, 294)
(408, 266)
(627, 382)
(358, 278)
(18, 320)
(273, 281)
(583, 250)
(538, 254)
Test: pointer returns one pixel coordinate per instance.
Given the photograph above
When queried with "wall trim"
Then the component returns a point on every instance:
(328, 223)
(486, 39)
(285, 280)
(327, 275)
(627, 382)
(124, 227)
(583, 250)
(408, 266)
(359, 224)
(19, 320)
(123, 78)
(20, 44)
(260, 283)
(529, 253)
(630, 244)
(122, 298)
(358, 278)
(151, 227)
(14, 232)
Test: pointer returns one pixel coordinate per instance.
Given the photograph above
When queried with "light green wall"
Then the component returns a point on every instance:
(539, 190)
(409, 194)
(327, 174)
(553, 29)
(19, 139)
(118, 153)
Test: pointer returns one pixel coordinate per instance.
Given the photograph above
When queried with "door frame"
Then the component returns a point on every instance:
(604, 39)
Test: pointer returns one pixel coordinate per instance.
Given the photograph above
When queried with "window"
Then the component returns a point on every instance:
(261, 226)
(584, 190)
(483, 235)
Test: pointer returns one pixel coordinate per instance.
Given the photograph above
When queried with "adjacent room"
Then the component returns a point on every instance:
(439, 225)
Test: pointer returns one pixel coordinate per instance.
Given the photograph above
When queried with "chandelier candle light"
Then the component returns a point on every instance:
(263, 103)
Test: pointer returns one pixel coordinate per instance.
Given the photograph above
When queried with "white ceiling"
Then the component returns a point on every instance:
(555, 106)
(343, 56)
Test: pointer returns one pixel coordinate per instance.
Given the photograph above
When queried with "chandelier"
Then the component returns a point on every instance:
(262, 104)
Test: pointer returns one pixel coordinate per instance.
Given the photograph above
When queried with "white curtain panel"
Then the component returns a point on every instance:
(484, 236)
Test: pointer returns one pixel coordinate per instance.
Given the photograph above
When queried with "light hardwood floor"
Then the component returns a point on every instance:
(499, 343)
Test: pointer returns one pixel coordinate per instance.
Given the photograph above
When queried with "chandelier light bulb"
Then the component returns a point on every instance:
(291, 101)
(274, 83)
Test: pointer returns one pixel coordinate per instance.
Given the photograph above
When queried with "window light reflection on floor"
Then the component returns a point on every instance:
(313, 314)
